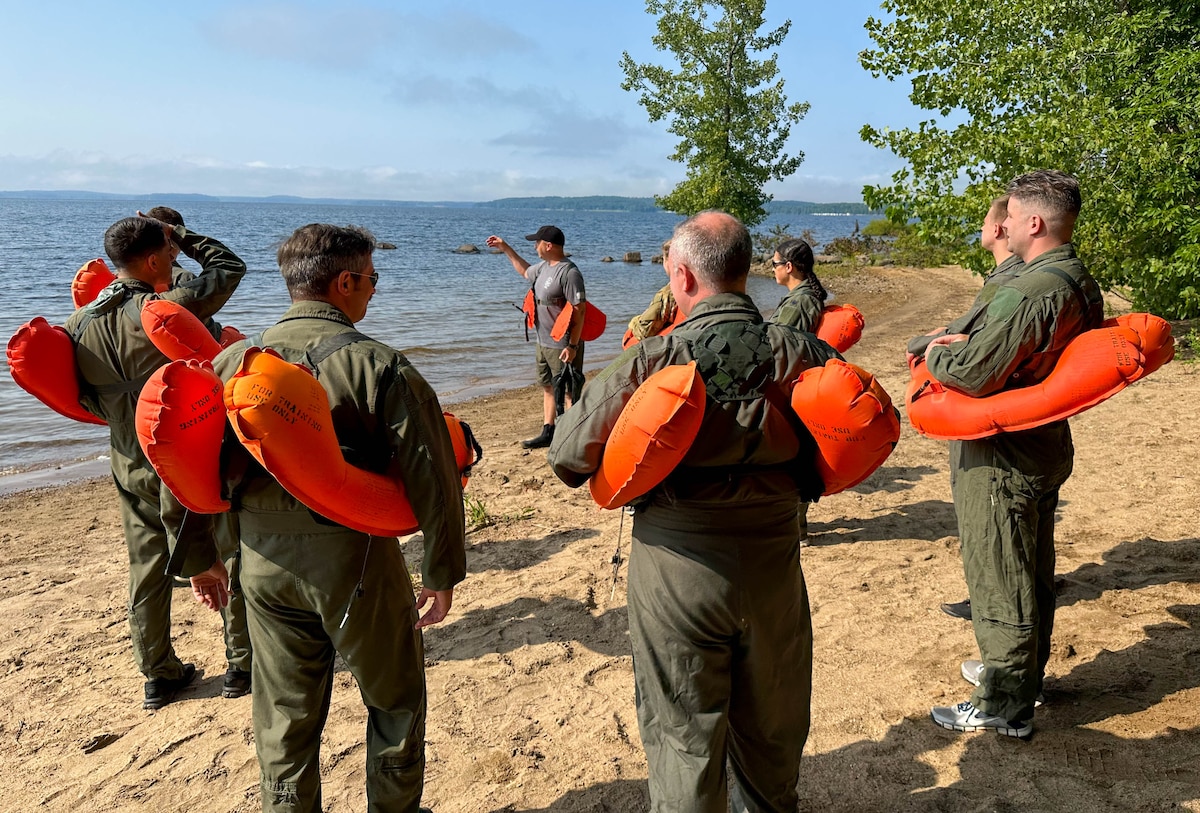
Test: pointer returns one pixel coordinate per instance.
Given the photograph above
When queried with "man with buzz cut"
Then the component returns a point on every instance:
(1006, 486)
(555, 282)
(115, 358)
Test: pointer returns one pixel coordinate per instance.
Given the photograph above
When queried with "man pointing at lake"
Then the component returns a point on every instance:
(555, 282)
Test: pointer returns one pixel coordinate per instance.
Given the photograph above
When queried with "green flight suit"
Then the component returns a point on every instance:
(114, 358)
(1006, 487)
(718, 609)
(1001, 274)
(315, 589)
(801, 308)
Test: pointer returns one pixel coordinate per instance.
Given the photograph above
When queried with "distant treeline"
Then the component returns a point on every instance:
(587, 203)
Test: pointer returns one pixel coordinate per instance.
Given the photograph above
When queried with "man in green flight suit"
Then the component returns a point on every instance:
(315, 589)
(225, 531)
(115, 358)
(718, 610)
(992, 238)
(1006, 487)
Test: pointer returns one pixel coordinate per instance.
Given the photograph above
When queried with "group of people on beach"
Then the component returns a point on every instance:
(718, 610)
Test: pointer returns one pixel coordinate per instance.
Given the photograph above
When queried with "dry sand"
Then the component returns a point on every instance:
(530, 682)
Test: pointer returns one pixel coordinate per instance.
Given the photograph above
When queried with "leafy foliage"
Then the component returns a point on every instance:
(727, 108)
(1105, 91)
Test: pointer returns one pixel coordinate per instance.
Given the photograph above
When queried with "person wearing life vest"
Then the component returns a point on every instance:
(114, 359)
(660, 315)
(1006, 487)
(179, 274)
(555, 282)
(993, 239)
(718, 611)
(315, 589)
(801, 308)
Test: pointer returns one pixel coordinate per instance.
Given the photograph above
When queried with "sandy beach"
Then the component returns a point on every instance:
(531, 703)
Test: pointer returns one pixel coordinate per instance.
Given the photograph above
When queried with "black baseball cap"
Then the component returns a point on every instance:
(551, 234)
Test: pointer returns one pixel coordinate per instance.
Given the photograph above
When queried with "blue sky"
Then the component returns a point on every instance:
(398, 100)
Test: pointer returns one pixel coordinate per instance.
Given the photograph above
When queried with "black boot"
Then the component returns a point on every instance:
(542, 440)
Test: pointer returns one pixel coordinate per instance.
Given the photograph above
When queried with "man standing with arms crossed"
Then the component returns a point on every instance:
(718, 610)
(115, 358)
(315, 589)
(993, 239)
(555, 282)
(1006, 487)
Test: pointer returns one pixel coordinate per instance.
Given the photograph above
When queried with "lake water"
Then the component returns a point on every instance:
(452, 314)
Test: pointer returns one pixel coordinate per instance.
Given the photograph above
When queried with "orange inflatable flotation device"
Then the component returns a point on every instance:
(229, 335)
(177, 332)
(653, 433)
(848, 413)
(841, 326)
(180, 428)
(280, 413)
(467, 451)
(91, 278)
(41, 358)
(180, 420)
(594, 322)
(851, 418)
(1093, 367)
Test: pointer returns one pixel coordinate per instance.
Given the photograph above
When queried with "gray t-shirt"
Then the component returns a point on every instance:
(553, 287)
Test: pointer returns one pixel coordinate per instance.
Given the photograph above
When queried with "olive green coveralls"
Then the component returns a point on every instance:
(1001, 274)
(800, 308)
(1006, 487)
(315, 589)
(115, 358)
(718, 610)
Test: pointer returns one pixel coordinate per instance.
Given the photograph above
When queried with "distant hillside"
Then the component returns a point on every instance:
(588, 203)
(612, 203)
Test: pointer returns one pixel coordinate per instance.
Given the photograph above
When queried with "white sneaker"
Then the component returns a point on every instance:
(972, 672)
(965, 717)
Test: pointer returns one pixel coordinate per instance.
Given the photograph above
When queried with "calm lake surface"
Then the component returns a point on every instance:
(452, 314)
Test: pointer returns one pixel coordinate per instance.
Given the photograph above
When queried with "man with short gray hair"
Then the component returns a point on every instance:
(718, 610)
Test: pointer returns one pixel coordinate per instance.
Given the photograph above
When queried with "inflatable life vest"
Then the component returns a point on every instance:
(841, 326)
(848, 413)
(41, 358)
(180, 421)
(177, 332)
(1093, 367)
(91, 278)
(594, 322)
(180, 428)
(851, 418)
(652, 434)
(280, 413)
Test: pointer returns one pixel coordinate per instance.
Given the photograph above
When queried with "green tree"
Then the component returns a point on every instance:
(727, 108)
(1106, 91)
